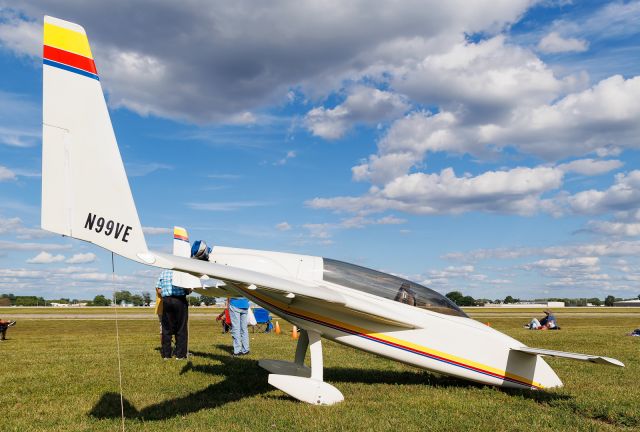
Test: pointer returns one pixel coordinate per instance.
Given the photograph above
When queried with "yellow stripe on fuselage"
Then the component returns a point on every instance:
(387, 338)
(68, 40)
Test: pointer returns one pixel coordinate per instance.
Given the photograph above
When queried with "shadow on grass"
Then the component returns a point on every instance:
(244, 379)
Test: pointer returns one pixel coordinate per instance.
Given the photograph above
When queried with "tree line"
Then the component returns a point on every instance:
(465, 300)
(143, 299)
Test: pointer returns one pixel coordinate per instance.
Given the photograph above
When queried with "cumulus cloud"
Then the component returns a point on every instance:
(45, 258)
(600, 249)
(488, 79)
(221, 60)
(599, 119)
(515, 191)
(362, 105)
(6, 174)
(591, 166)
(616, 229)
(623, 195)
(555, 43)
(82, 258)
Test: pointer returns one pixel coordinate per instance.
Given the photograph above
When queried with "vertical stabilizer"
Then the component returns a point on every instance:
(182, 248)
(85, 191)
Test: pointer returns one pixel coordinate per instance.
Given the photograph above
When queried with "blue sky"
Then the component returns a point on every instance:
(487, 147)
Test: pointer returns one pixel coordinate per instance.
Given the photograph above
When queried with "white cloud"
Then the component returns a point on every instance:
(617, 229)
(554, 43)
(283, 226)
(488, 79)
(363, 105)
(7, 245)
(21, 37)
(10, 225)
(143, 169)
(6, 174)
(599, 119)
(290, 155)
(624, 194)
(227, 206)
(82, 258)
(45, 258)
(156, 230)
(515, 191)
(591, 166)
(251, 54)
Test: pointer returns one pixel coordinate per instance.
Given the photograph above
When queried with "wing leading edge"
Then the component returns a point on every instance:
(570, 355)
(238, 279)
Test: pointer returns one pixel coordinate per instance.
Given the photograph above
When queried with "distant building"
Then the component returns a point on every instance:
(627, 303)
(540, 305)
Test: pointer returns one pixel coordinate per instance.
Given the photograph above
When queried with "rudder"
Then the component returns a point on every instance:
(85, 191)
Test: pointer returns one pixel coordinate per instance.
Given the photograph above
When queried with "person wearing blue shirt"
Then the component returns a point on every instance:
(238, 309)
(175, 315)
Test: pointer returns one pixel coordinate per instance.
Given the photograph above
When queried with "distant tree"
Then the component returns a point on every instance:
(510, 300)
(11, 297)
(609, 300)
(147, 298)
(208, 301)
(595, 301)
(29, 301)
(194, 300)
(455, 296)
(638, 296)
(467, 301)
(123, 296)
(137, 300)
(101, 300)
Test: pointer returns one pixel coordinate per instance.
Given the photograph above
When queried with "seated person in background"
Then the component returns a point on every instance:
(405, 295)
(547, 323)
(4, 325)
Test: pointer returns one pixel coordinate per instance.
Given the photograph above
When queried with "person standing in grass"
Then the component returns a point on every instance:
(4, 325)
(175, 313)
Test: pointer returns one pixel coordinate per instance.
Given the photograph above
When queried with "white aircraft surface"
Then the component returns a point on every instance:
(86, 195)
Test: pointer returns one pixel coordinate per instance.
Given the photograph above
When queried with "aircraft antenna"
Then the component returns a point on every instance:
(115, 308)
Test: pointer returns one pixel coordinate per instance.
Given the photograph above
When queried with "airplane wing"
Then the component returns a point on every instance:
(570, 355)
(236, 279)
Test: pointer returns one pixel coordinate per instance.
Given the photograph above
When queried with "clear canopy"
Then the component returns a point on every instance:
(388, 286)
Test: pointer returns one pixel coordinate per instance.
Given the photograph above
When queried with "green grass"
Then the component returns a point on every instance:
(61, 375)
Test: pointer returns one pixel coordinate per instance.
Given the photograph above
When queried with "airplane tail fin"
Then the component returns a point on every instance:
(85, 191)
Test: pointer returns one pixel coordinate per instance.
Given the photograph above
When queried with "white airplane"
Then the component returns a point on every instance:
(86, 195)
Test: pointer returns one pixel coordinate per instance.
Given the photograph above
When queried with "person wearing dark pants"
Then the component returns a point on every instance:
(175, 315)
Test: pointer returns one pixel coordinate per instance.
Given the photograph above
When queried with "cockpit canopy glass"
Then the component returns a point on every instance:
(388, 286)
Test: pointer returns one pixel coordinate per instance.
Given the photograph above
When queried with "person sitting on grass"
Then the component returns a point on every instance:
(226, 320)
(547, 323)
(4, 325)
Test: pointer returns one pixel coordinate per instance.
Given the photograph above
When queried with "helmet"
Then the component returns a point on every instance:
(200, 250)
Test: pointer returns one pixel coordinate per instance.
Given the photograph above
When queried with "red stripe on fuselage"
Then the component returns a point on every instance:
(70, 59)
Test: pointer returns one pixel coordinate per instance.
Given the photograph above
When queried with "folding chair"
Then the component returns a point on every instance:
(263, 320)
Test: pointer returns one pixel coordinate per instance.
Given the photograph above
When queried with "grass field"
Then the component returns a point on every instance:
(60, 374)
